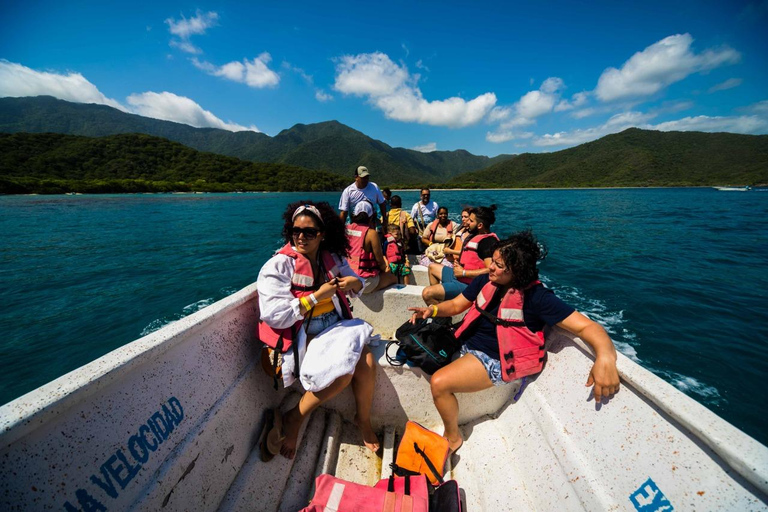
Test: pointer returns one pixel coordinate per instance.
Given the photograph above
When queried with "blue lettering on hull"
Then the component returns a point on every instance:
(118, 470)
(649, 498)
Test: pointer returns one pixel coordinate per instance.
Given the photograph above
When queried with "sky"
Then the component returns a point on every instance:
(491, 78)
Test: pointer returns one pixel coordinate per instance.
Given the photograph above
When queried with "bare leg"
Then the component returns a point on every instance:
(363, 382)
(386, 279)
(310, 401)
(435, 273)
(433, 294)
(407, 279)
(465, 375)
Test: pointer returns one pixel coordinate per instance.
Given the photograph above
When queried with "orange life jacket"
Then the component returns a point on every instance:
(362, 262)
(433, 229)
(469, 259)
(521, 350)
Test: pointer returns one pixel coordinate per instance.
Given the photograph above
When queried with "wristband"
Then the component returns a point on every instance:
(463, 273)
(434, 310)
(305, 303)
(313, 298)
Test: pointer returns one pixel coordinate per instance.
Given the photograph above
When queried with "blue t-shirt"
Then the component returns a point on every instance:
(540, 306)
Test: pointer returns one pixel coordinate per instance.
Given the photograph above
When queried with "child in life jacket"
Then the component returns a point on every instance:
(398, 263)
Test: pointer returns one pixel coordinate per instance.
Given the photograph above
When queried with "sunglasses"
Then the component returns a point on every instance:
(309, 233)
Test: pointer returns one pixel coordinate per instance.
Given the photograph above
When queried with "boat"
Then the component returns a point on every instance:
(746, 188)
(172, 422)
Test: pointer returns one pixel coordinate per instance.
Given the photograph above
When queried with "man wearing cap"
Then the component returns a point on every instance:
(361, 190)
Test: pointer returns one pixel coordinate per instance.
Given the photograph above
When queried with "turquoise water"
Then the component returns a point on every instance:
(677, 276)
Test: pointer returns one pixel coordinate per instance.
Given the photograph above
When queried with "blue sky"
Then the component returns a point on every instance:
(505, 77)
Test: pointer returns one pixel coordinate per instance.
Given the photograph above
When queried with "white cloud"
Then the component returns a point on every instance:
(524, 112)
(505, 136)
(390, 87)
(186, 28)
(426, 148)
(733, 124)
(752, 124)
(322, 96)
(255, 73)
(17, 80)
(180, 109)
(728, 84)
(577, 100)
(760, 108)
(659, 65)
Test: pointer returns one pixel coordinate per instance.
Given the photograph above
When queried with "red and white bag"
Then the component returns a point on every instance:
(407, 494)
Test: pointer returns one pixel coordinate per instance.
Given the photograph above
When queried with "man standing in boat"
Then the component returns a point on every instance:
(361, 190)
(474, 260)
(424, 211)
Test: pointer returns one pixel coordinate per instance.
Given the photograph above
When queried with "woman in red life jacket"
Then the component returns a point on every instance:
(365, 255)
(503, 331)
(453, 250)
(303, 291)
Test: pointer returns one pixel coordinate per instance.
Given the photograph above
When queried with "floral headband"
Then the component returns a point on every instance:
(309, 207)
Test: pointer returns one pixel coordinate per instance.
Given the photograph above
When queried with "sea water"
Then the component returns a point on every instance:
(678, 277)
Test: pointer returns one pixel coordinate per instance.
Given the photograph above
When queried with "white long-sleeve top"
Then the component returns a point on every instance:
(280, 309)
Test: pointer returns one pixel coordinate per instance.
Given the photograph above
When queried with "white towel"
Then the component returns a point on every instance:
(333, 353)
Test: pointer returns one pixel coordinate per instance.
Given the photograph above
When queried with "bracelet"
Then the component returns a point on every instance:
(463, 273)
(313, 298)
(434, 310)
(304, 302)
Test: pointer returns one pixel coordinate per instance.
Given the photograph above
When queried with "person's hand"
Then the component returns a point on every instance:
(605, 377)
(349, 284)
(422, 313)
(458, 270)
(327, 289)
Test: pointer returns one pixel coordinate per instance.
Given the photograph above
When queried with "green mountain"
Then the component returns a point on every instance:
(56, 163)
(329, 146)
(635, 157)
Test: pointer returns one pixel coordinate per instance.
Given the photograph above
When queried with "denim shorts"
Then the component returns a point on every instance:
(492, 366)
(318, 324)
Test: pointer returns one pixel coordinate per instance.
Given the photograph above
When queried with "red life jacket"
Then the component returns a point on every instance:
(395, 250)
(433, 229)
(521, 350)
(469, 258)
(362, 262)
(303, 283)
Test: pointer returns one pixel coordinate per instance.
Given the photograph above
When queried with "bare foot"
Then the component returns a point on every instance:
(455, 444)
(291, 428)
(370, 440)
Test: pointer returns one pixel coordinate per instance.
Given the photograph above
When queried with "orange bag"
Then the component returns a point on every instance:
(422, 451)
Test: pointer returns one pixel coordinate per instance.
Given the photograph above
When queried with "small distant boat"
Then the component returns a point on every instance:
(734, 189)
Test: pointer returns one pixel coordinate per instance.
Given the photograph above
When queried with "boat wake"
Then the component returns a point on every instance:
(187, 310)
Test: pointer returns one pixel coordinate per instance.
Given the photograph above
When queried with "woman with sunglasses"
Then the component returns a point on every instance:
(303, 291)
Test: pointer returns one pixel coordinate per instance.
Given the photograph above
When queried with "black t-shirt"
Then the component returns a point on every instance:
(540, 307)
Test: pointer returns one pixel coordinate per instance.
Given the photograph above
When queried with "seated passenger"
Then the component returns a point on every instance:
(502, 333)
(440, 230)
(302, 293)
(398, 262)
(365, 256)
(474, 260)
(396, 215)
(454, 249)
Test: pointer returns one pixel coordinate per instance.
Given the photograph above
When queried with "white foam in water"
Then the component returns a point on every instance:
(197, 306)
(689, 385)
(612, 321)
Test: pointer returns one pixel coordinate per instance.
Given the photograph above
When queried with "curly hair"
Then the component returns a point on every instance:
(520, 253)
(334, 235)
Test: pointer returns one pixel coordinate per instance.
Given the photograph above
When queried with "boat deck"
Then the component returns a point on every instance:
(172, 422)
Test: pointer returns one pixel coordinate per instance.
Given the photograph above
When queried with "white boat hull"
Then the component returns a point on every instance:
(171, 422)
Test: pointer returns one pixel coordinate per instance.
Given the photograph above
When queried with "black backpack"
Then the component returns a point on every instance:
(429, 344)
